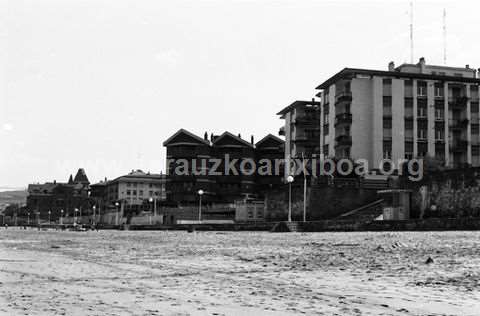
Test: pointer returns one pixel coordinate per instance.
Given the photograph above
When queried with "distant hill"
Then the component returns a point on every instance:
(8, 197)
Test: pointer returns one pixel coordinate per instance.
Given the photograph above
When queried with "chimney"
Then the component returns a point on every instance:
(467, 66)
(54, 181)
(391, 66)
(251, 140)
(211, 137)
(205, 136)
(313, 100)
(239, 135)
(421, 63)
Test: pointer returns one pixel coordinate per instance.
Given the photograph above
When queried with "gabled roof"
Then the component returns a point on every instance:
(81, 177)
(236, 138)
(297, 104)
(270, 137)
(182, 131)
(350, 72)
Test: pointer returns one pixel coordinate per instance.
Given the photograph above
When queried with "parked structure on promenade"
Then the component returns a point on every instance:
(410, 111)
(56, 196)
(134, 192)
(221, 187)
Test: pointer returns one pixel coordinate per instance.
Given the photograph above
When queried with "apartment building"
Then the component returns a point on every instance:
(409, 111)
(301, 129)
(218, 186)
(134, 190)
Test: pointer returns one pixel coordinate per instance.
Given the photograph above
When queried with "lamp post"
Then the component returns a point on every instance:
(49, 221)
(93, 220)
(61, 217)
(116, 214)
(28, 218)
(200, 193)
(290, 180)
(75, 216)
(304, 188)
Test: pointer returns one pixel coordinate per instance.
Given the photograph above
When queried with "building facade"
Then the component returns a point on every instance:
(301, 130)
(192, 166)
(135, 192)
(55, 197)
(414, 110)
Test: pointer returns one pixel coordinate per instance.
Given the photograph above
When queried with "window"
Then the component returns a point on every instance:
(387, 150)
(475, 150)
(439, 114)
(387, 123)
(439, 134)
(474, 107)
(128, 192)
(150, 193)
(422, 89)
(325, 118)
(422, 111)
(134, 192)
(128, 184)
(475, 129)
(140, 193)
(439, 91)
(422, 133)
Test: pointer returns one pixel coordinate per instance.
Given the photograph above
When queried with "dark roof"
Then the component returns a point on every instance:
(81, 177)
(349, 72)
(270, 136)
(189, 134)
(236, 138)
(139, 174)
(297, 104)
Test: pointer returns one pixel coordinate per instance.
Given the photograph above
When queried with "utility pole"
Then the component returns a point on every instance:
(444, 36)
(411, 32)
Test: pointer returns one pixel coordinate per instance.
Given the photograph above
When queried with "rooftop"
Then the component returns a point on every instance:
(410, 71)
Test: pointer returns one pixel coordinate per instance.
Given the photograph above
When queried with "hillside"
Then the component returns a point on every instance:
(8, 197)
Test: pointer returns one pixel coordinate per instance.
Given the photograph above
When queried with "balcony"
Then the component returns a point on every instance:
(459, 123)
(306, 120)
(459, 145)
(343, 118)
(343, 140)
(457, 102)
(343, 96)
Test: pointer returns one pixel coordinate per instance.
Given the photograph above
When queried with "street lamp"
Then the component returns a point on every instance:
(28, 218)
(61, 217)
(200, 193)
(49, 221)
(116, 214)
(75, 216)
(93, 208)
(290, 180)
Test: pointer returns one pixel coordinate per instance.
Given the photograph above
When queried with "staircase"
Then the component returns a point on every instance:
(364, 213)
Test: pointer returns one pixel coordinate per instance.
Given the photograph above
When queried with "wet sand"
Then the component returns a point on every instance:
(238, 273)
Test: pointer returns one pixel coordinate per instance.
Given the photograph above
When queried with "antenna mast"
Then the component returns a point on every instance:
(444, 36)
(411, 32)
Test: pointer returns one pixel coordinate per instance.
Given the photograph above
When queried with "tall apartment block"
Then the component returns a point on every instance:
(410, 111)
(301, 129)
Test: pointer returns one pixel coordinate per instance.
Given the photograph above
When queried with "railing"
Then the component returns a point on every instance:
(343, 140)
(458, 123)
(459, 145)
(343, 96)
(458, 102)
(343, 118)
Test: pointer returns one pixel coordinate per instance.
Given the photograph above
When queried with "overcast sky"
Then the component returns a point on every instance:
(101, 84)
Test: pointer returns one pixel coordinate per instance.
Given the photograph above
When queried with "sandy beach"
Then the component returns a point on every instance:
(238, 273)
